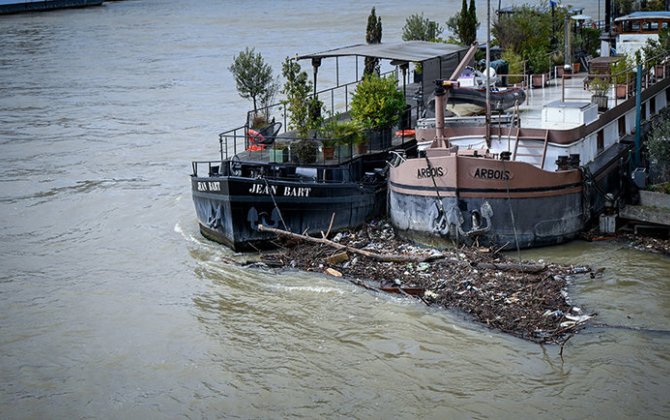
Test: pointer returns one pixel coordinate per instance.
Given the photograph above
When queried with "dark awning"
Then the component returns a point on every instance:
(416, 51)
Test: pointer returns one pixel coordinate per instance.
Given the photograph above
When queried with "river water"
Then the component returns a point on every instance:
(113, 306)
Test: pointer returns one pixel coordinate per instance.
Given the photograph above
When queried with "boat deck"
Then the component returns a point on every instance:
(570, 90)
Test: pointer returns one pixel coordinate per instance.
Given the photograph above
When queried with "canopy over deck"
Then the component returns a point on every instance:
(438, 60)
(411, 51)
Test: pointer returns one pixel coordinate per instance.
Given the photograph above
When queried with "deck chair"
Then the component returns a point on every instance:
(270, 132)
(260, 139)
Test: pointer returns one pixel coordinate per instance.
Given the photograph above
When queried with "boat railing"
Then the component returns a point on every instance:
(519, 80)
(286, 148)
(235, 133)
(287, 157)
(287, 172)
(238, 148)
(621, 82)
(213, 167)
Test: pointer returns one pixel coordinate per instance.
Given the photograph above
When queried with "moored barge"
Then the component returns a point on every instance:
(297, 185)
(537, 183)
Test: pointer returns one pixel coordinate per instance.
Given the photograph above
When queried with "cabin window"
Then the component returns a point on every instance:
(643, 111)
(652, 106)
(622, 126)
(600, 143)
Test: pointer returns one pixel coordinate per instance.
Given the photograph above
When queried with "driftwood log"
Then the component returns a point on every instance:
(369, 254)
(523, 268)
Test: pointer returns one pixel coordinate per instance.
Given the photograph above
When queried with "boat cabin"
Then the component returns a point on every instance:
(635, 29)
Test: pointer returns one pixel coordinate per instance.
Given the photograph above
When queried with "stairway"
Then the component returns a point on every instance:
(534, 143)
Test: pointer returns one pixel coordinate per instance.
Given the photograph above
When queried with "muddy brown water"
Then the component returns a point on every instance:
(113, 306)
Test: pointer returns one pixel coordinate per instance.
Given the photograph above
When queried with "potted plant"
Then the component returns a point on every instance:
(622, 76)
(328, 148)
(376, 106)
(576, 67)
(654, 54)
(418, 73)
(350, 136)
(515, 69)
(279, 152)
(330, 133)
(557, 63)
(539, 64)
(600, 87)
(303, 109)
(258, 121)
(305, 151)
(342, 136)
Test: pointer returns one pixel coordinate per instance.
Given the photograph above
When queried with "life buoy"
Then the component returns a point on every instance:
(405, 133)
(256, 140)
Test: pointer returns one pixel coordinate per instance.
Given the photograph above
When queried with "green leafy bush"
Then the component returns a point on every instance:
(539, 61)
(377, 102)
(658, 148)
(658, 142)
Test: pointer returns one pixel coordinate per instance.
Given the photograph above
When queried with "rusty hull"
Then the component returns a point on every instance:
(447, 197)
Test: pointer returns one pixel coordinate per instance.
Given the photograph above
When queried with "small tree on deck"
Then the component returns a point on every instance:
(253, 77)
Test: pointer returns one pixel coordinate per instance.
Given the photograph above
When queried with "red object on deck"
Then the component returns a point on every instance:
(256, 140)
(405, 133)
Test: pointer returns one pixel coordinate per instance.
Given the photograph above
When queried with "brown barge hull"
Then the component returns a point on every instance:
(449, 198)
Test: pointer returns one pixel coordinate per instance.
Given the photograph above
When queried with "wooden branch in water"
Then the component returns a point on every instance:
(330, 226)
(525, 268)
(368, 254)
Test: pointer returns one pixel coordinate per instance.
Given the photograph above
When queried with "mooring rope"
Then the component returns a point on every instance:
(272, 196)
(439, 204)
(511, 212)
(437, 191)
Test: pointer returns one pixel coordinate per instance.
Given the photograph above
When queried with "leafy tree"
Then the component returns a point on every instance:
(373, 35)
(653, 5)
(297, 89)
(658, 146)
(377, 102)
(470, 35)
(419, 28)
(525, 30)
(654, 50)
(587, 40)
(515, 63)
(464, 25)
(463, 22)
(253, 77)
(622, 7)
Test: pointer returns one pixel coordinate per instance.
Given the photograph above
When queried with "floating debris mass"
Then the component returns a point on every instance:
(526, 299)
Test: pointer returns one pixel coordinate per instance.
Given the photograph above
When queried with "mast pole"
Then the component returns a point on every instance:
(488, 73)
